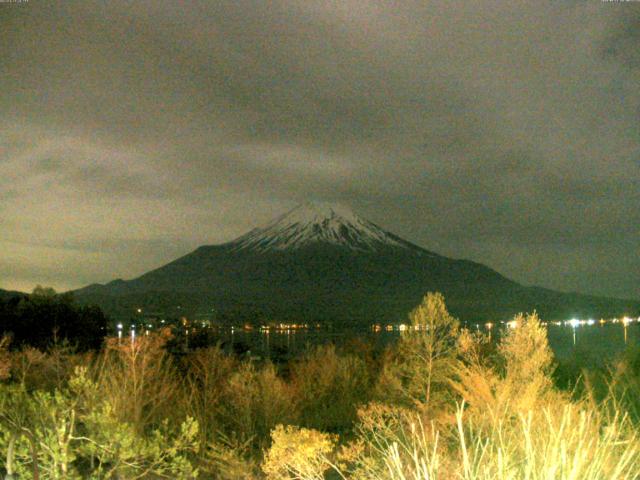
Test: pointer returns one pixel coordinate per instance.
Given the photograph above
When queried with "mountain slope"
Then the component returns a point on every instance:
(322, 263)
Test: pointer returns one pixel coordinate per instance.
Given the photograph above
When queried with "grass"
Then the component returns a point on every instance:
(566, 444)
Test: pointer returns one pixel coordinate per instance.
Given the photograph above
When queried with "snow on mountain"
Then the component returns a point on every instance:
(369, 275)
(311, 223)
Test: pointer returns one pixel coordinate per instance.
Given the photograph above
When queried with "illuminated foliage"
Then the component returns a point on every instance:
(425, 356)
(448, 404)
(298, 453)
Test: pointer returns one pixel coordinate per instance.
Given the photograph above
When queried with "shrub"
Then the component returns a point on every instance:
(207, 371)
(139, 381)
(329, 388)
(391, 442)
(254, 401)
(298, 453)
(228, 458)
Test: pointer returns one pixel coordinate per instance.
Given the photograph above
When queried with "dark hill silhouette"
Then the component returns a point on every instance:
(321, 263)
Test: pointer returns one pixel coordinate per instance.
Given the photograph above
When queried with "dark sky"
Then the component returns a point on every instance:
(506, 132)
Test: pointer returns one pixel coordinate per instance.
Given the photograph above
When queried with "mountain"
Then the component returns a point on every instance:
(324, 263)
(317, 223)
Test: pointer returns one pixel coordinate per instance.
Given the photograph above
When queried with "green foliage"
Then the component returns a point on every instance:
(41, 293)
(116, 449)
(73, 432)
(17, 411)
(617, 388)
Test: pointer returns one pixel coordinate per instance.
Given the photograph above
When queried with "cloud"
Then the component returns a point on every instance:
(475, 129)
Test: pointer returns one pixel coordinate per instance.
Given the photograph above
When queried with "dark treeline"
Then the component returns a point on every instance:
(44, 318)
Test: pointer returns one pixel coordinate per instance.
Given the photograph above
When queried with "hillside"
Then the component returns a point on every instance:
(321, 263)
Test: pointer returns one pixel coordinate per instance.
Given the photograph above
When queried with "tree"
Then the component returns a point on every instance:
(139, 379)
(426, 354)
(45, 318)
(528, 362)
(516, 379)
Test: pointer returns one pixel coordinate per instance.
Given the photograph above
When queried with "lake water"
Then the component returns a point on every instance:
(590, 344)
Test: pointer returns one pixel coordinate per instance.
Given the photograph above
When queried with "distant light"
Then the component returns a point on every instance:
(626, 321)
(489, 325)
(139, 310)
(402, 327)
(512, 324)
(119, 326)
(574, 322)
(591, 321)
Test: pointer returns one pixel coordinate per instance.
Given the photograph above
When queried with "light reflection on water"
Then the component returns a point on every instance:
(590, 344)
(593, 343)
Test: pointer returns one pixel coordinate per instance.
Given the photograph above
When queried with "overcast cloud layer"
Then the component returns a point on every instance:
(503, 132)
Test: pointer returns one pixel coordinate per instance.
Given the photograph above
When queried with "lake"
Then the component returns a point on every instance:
(591, 344)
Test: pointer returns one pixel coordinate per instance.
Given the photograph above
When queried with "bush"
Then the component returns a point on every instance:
(298, 453)
(329, 388)
(140, 381)
(448, 405)
(253, 402)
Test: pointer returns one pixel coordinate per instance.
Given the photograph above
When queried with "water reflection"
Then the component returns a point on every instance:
(593, 342)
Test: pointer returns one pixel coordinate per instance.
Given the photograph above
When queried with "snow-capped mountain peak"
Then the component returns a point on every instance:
(313, 223)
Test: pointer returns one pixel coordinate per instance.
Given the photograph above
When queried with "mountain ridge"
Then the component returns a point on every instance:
(322, 263)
